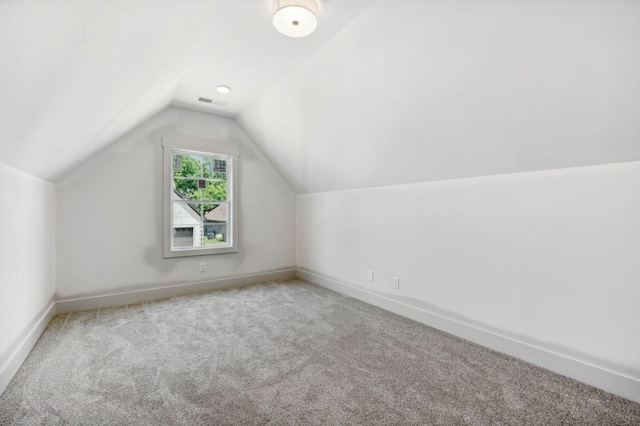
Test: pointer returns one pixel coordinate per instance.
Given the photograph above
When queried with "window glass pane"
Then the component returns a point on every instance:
(186, 189)
(215, 225)
(218, 176)
(187, 225)
(183, 237)
(214, 168)
(215, 191)
(187, 165)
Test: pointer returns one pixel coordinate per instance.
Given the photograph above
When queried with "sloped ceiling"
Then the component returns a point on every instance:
(77, 74)
(415, 91)
(385, 92)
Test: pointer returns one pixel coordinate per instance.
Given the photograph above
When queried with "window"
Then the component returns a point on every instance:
(200, 199)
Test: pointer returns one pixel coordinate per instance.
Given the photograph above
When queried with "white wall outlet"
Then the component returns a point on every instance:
(370, 276)
(203, 267)
(395, 282)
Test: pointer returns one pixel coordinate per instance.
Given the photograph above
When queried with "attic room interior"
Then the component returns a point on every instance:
(320, 212)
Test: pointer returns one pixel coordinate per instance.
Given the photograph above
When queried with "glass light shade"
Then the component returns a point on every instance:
(296, 18)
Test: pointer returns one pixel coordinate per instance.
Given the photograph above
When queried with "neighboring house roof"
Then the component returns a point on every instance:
(183, 214)
(219, 214)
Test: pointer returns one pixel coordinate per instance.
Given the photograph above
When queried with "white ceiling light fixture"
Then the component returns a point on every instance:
(296, 18)
(223, 89)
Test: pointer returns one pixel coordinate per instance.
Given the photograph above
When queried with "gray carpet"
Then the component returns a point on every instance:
(283, 353)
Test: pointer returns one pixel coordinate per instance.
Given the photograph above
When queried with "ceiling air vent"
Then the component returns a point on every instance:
(213, 101)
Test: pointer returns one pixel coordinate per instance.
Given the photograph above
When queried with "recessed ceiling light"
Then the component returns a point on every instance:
(296, 18)
(223, 89)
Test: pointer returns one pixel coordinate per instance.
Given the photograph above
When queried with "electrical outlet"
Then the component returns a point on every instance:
(395, 282)
(203, 267)
(370, 276)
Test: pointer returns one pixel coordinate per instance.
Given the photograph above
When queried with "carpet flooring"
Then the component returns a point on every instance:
(283, 353)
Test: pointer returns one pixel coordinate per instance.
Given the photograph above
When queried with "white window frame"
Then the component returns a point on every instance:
(206, 148)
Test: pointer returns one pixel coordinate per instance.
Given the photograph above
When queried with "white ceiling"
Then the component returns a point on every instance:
(78, 74)
(385, 92)
(416, 91)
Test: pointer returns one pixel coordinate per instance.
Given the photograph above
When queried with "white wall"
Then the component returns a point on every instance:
(27, 258)
(550, 258)
(110, 213)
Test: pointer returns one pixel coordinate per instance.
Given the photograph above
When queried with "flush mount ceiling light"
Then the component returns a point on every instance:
(296, 18)
(223, 89)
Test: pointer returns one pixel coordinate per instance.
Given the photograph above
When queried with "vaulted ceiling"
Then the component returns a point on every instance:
(385, 92)
(76, 74)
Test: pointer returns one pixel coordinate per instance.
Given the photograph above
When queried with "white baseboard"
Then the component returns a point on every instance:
(103, 301)
(600, 377)
(19, 352)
